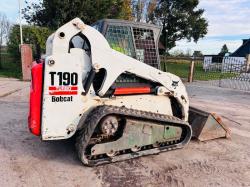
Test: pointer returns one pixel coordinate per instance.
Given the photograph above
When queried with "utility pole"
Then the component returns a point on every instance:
(20, 22)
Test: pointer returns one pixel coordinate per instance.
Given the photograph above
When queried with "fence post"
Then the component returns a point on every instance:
(248, 63)
(26, 59)
(165, 64)
(191, 71)
(163, 61)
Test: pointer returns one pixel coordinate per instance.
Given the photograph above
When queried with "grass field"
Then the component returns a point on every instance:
(10, 68)
(181, 69)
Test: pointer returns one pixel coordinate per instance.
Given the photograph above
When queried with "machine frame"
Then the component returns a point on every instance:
(60, 58)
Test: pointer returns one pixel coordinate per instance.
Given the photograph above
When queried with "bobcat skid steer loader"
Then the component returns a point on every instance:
(104, 84)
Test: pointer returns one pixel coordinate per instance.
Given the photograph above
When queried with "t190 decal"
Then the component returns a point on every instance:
(63, 83)
(64, 78)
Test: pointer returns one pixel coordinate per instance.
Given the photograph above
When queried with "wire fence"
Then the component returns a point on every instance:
(227, 72)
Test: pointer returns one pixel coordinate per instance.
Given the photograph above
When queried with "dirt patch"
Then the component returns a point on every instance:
(26, 161)
(192, 166)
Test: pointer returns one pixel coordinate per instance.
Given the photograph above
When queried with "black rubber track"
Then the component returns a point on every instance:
(90, 123)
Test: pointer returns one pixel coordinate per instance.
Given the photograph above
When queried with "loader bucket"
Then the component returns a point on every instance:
(207, 126)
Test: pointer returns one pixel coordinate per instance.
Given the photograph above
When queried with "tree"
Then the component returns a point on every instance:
(177, 53)
(62, 11)
(188, 53)
(34, 35)
(197, 54)
(143, 10)
(180, 20)
(4, 31)
(138, 7)
(223, 50)
(151, 6)
(126, 12)
(180, 53)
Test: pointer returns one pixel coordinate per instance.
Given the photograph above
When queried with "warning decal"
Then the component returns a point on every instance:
(63, 90)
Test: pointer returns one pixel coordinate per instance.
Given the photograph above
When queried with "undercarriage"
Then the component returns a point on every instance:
(139, 133)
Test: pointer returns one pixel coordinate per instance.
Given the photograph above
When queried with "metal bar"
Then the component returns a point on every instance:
(136, 90)
(20, 23)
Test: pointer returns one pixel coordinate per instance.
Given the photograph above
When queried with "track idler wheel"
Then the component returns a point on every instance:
(109, 125)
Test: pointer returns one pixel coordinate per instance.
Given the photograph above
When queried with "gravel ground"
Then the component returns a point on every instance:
(26, 161)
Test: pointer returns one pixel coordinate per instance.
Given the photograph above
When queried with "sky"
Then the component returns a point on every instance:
(228, 24)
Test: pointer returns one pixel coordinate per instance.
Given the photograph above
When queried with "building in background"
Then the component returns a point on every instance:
(243, 50)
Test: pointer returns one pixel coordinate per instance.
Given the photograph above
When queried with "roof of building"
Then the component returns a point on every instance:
(243, 50)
